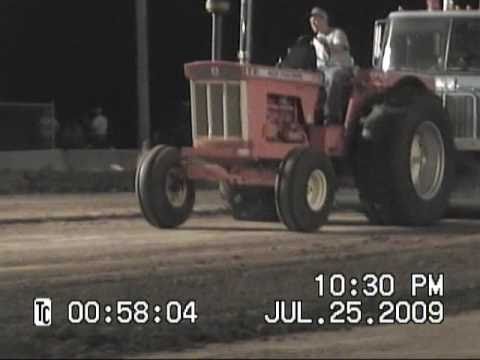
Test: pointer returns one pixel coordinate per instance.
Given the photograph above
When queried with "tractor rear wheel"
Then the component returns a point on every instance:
(250, 203)
(405, 172)
(165, 193)
(305, 190)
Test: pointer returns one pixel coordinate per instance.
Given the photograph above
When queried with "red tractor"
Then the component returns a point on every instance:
(258, 131)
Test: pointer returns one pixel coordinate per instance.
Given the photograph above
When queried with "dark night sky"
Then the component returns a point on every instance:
(82, 52)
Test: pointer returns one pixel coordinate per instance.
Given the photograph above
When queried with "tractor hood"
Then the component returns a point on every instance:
(206, 71)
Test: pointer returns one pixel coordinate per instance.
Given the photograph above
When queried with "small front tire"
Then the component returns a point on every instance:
(164, 191)
(305, 190)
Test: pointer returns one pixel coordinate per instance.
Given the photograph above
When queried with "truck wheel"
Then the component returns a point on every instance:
(305, 190)
(405, 172)
(250, 203)
(165, 193)
(140, 159)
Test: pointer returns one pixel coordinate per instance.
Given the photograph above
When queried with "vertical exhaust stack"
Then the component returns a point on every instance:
(218, 9)
(246, 35)
(448, 5)
(444, 5)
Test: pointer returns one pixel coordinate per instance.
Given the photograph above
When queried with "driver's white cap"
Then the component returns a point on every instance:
(317, 11)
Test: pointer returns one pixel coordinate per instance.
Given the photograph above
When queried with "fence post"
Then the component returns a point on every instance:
(143, 76)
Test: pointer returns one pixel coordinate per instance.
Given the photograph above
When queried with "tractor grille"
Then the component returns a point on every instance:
(462, 109)
(216, 110)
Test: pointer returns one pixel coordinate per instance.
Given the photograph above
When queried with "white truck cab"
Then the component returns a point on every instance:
(443, 44)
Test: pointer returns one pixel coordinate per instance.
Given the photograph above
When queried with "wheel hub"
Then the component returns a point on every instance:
(176, 187)
(427, 161)
(317, 190)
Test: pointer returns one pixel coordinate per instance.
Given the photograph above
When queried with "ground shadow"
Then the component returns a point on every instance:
(450, 227)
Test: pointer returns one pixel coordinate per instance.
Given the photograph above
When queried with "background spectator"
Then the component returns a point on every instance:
(99, 129)
(48, 129)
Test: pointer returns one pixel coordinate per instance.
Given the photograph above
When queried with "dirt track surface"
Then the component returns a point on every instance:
(457, 338)
(233, 270)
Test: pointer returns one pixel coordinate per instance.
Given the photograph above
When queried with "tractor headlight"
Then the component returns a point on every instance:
(446, 84)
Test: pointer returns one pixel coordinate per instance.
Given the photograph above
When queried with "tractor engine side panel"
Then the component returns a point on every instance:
(275, 123)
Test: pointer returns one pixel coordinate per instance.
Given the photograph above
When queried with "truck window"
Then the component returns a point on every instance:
(464, 50)
(416, 45)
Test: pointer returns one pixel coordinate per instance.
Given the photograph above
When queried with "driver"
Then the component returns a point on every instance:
(333, 58)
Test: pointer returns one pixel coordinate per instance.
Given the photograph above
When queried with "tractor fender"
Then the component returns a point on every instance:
(374, 124)
(409, 82)
(377, 104)
(389, 105)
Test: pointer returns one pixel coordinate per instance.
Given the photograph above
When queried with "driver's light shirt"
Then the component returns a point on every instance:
(332, 49)
(322, 49)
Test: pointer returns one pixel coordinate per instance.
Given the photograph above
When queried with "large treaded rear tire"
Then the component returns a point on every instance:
(383, 165)
(165, 194)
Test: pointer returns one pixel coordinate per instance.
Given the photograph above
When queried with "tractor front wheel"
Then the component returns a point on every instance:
(305, 190)
(165, 193)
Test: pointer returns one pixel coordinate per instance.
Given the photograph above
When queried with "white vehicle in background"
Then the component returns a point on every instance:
(444, 44)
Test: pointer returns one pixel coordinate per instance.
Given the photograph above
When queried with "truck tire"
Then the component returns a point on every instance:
(405, 171)
(165, 194)
(250, 203)
(140, 160)
(305, 190)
